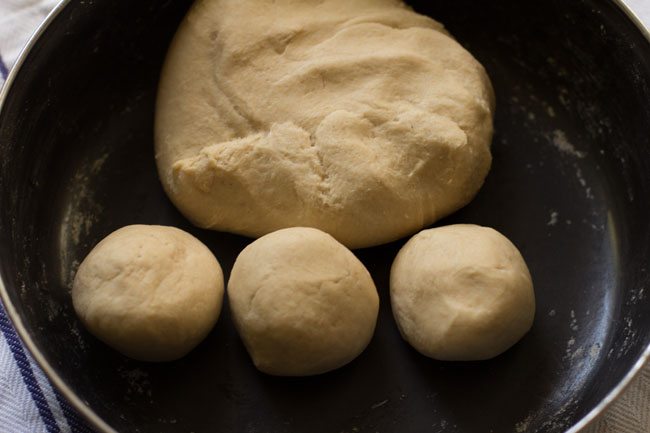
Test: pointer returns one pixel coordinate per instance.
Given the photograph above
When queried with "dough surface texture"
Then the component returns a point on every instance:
(360, 118)
(151, 292)
(461, 293)
(303, 303)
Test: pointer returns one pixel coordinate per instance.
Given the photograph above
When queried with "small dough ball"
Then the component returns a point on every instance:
(461, 293)
(303, 303)
(150, 292)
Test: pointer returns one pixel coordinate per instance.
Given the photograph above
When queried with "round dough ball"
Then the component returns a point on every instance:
(360, 118)
(461, 293)
(303, 303)
(151, 292)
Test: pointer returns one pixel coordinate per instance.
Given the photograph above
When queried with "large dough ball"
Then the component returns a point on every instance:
(150, 292)
(461, 293)
(303, 303)
(358, 117)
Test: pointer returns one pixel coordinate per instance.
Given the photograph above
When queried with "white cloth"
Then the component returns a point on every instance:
(642, 9)
(29, 404)
(631, 412)
(18, 20)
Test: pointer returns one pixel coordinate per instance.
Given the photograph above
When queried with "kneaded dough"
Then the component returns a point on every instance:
(461, 293)
(151, 292)
(303, 303)
(361, 118)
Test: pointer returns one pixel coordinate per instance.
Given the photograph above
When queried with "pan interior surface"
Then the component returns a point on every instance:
(569, 186)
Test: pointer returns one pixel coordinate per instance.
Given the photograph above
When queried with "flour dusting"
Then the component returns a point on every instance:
(82, 211)
(522, 426)
(562, 144)
(574, 322)
(594, 351)
(550, 111)
(137, 381)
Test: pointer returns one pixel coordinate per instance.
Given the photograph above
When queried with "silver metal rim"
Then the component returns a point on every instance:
(83, 409)
(644, 359)
(95, 421)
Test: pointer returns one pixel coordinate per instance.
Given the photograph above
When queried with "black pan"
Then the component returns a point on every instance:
(570, 186)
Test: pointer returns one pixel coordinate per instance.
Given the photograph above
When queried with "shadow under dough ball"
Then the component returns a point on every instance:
(303, 303)
(461, 293)
(151, 292)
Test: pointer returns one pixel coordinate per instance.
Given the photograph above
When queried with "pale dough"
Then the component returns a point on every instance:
(150, 292)
(361, 118)
(461, 293)
(303, 303)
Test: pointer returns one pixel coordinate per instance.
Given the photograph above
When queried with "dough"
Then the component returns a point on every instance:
(303, 303)
(461, 293)
(361, 118)
(150, 292)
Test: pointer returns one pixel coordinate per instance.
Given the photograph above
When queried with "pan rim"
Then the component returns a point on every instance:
(644, 359)
(95, 420)
(84, 410)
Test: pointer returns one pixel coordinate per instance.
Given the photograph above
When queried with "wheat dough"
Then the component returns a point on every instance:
(151, 292)
(461, 293)
(361, 118)
(303, 303)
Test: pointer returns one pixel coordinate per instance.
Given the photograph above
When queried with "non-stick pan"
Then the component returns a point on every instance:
(569, 185)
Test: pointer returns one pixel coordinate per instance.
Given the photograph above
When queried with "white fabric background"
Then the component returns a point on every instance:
(18, 19)
(641, 8)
